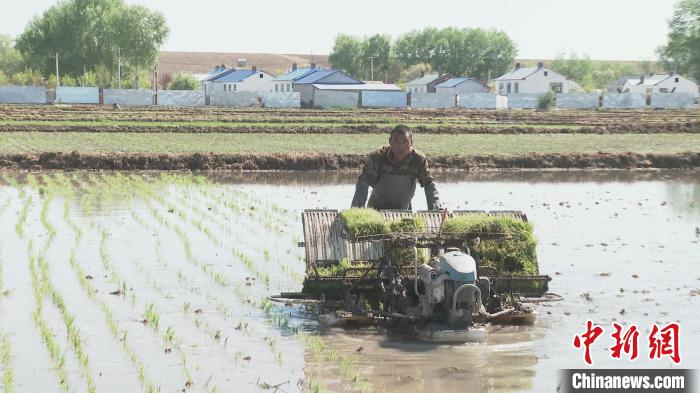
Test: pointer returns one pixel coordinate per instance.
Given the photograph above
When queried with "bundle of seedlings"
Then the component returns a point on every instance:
(514, 255)
(366, 222)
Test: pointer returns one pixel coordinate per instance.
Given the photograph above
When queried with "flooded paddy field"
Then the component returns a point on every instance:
(140, 281)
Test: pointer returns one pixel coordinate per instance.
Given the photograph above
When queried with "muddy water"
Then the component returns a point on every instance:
(620, 246)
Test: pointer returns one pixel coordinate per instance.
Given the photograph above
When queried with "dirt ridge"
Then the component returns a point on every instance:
(319, 161)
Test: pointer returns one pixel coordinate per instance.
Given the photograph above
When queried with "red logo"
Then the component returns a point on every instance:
(667, 344)
(662, 341)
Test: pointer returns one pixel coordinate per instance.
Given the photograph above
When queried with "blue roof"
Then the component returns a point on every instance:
(234, 76)
(315, 76)
(298, 73)
(456, 81)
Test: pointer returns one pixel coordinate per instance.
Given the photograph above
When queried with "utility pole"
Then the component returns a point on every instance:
(58, 79)
(119, 68)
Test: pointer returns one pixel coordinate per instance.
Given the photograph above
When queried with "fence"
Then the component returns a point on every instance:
(22, 95)
(180, 98)
(672, 100)
(128, 97)
(578, 100)
(280, 100)
(337, 99)
(623, 100)
(384, 99)
(432, 100)
(482, 101)
(77, 95)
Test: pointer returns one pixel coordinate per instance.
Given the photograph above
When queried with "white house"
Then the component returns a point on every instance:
(533, 80)
(461, 85)
(234, 80)
(654, 83)
(426, 83)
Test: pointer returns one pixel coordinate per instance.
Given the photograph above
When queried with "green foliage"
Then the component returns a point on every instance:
(577, 68)
(27, 78)
(88, 78)
(514, 256)
(592, 74)
(66, 80)
(3, 79)
(88, 33)
(414, 71)
(483, 54)
(682, 53)
(412, 224)
(347, 55)
(183, 81)
(546, 102)
(11, 60)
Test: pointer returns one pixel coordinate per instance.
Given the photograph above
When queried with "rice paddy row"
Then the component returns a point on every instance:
(201, 298)
(431, 144)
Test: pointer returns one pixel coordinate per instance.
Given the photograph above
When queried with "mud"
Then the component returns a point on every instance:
(688, 127)
(318, 161)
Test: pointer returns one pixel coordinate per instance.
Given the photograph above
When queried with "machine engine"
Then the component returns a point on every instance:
(451, 291)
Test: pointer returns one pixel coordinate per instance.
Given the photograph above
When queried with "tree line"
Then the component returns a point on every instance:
(475, 52)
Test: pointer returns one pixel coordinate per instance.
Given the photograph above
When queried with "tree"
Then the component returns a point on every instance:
(347, 55)
(184, 82)
(575, 67)
(376, 52)
(479, 53)
(87, 34)
(415, 71)
(10, 58)
(682, 53)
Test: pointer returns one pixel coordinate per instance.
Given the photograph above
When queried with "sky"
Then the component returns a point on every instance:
(542, 29)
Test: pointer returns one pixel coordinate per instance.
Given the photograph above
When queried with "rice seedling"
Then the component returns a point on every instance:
(515, 255)
(19, 226)
(151, 316)
(169, 334)
(7, 370)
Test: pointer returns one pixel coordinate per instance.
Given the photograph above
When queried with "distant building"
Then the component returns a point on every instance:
(426, 83)
(284, 83)
(233, 80)
(306, 80)
(533, 80)
(654, 83)
(461, 85)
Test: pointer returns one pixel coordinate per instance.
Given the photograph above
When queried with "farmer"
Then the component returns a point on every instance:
(392, 172)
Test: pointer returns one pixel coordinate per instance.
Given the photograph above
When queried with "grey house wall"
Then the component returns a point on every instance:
(239, 99)
(128, 97)
(672, 100)
(180, 98)
(523, 101)
(22, 95)
(336, 99)
(577, 100)
(306, 92)
(77, 95)
(384, 99)
(623, 100)
(280, 100)
(432, 100)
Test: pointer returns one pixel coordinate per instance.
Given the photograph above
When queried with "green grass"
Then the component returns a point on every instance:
(435, 144)
(291, 122)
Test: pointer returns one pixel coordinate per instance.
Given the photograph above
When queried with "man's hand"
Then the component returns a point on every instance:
(438, 205)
